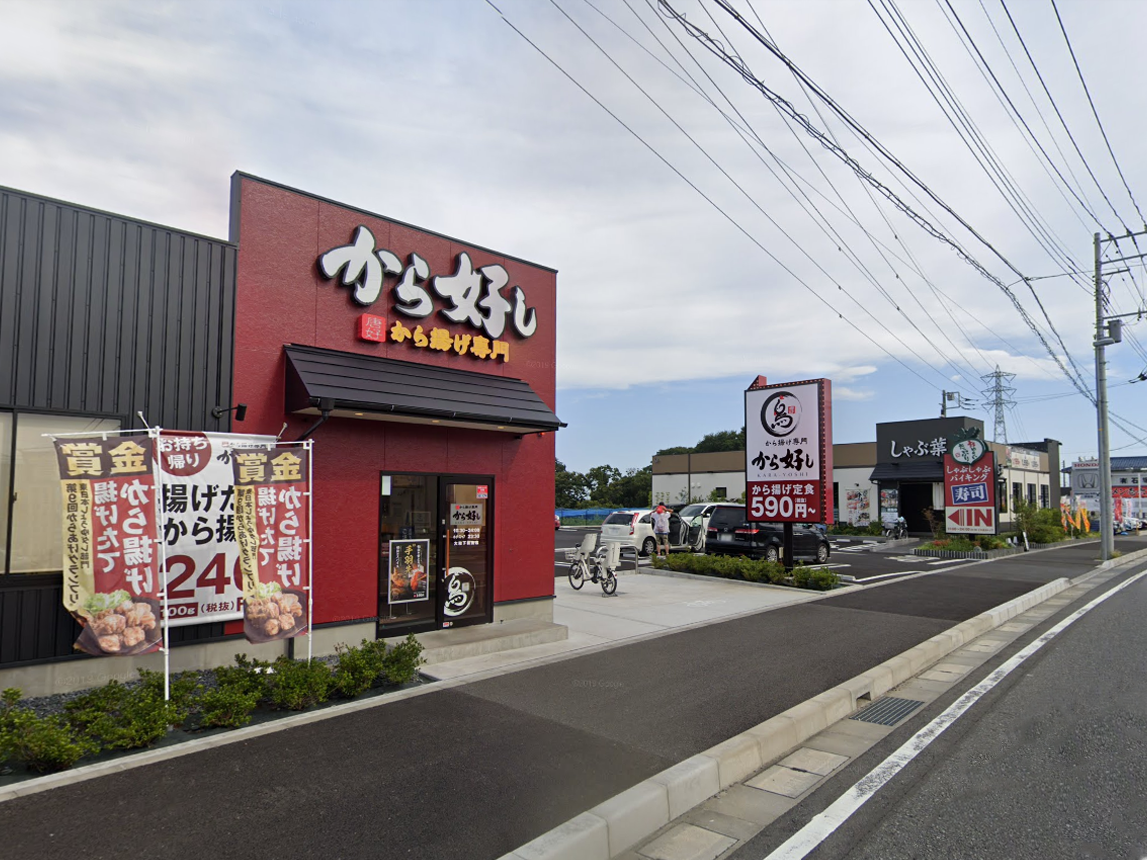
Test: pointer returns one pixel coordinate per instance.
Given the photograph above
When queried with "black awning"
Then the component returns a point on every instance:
(349, 385)
(922, 471)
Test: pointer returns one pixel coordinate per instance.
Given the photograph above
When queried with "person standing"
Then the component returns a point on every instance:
(660, 519)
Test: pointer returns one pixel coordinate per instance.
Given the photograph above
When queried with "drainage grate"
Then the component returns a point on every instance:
(887, 711)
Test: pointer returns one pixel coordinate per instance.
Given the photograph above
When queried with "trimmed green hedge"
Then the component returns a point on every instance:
(749, 569)
(118, 716)
(961, 543)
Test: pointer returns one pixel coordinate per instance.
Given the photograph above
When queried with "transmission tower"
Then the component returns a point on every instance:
(997, 399)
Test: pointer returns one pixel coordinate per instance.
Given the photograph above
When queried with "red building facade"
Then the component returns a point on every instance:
(333, 304)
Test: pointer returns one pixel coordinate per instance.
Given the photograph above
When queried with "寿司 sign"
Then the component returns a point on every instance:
(788, 451)
(969, 486)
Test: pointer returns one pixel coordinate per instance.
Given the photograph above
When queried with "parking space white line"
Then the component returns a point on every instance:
(887, 575)
(808, 838)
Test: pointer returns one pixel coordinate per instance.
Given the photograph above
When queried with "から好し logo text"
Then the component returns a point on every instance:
(473, 296)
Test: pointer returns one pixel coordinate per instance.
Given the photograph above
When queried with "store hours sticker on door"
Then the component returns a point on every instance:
(467, 515)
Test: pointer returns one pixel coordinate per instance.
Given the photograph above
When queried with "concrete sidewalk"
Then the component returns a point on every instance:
(647, 604)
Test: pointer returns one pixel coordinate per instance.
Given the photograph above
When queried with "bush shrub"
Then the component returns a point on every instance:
(246, 676)
(358, 669)
(43, 744)
(400, 666)
(226, 707)
(121, 717)
(294, 685)
(749, 569)
(823, 580)
(848, 529)
(964, 543)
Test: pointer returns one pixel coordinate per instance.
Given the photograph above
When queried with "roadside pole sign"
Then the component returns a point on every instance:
(788, 452)
(969, 486)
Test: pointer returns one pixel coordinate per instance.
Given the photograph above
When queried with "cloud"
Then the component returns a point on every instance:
(439, 115)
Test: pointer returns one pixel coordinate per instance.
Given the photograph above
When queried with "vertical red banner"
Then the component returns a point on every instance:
(273, 530)
(112, 580)
(970, 491)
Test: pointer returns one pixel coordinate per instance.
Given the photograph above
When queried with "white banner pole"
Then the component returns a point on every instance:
(310, 550)
(154, 432)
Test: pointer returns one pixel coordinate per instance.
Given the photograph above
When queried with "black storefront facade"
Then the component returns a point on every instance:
(909, 471)
(102, 319)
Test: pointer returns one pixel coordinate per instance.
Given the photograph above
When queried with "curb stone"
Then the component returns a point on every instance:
(642, 810)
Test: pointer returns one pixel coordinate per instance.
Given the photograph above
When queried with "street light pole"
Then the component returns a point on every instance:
(1106, 525)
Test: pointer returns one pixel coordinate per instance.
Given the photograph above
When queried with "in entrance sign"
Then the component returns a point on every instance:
(969, 486)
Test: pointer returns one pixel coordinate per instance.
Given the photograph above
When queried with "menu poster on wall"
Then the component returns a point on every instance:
(273, 530)
(112, 582)
(409, 582)
(198, 525)
(857, 501)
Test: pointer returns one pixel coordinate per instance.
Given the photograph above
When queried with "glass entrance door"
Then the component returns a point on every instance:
(408, 553)
(435, 552)
(467, 594)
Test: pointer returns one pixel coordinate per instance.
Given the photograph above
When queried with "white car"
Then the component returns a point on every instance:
(696, 517)
(634, 528)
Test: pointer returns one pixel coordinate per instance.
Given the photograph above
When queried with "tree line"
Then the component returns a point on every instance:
(609, 487)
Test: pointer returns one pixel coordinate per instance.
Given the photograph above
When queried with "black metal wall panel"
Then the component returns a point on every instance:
(105, 315)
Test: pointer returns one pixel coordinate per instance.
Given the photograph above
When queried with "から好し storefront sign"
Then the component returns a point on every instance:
(472, 296)
(374, 329)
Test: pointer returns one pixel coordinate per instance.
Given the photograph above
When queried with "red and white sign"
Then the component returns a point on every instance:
(788, 451)
(273, 533)
(970, 495)
(204, 582)
(112, 581)
(483, 491)
(372, 327)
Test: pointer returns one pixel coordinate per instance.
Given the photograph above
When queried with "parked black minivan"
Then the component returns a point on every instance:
(729, 532)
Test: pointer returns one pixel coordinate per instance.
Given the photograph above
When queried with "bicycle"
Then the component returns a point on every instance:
(594, 565)
(896, 532)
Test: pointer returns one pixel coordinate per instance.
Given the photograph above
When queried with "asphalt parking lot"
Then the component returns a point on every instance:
(864, 559)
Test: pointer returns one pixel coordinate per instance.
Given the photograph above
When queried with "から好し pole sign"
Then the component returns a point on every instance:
(272, 527)
(112, 559)
(788, 452)
(969, 485)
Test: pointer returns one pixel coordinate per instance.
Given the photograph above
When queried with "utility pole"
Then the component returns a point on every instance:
(962, 402)
(1108, 331)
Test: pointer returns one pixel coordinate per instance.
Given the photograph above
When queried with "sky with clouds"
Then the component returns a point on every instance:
(665, 167)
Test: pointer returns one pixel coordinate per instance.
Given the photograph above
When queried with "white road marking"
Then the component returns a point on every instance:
(809, 837)
(947, 561)
(886, 575)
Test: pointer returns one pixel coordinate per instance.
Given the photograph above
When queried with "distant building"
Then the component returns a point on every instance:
(1128, 477)
(900, 473)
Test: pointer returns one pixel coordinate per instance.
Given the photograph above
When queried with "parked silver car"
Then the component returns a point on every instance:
(696, 517)
(635, 529)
